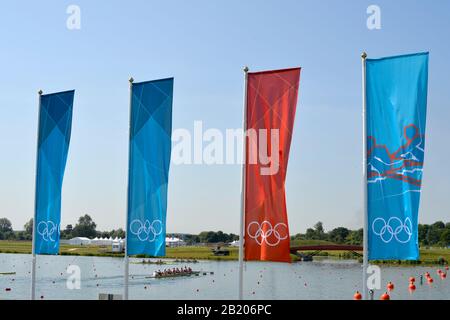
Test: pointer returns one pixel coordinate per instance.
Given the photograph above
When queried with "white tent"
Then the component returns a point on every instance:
(235, 243)
(174, 242)
(79, 241)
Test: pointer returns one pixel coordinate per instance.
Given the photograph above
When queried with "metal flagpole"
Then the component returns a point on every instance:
(242, 222)
(33, 242)
(366, 218)
(126, 262)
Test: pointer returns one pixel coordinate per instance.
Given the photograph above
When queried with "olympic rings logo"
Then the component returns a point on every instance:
(48, 230)
(146, 231)
(266, 233)
(394, 228)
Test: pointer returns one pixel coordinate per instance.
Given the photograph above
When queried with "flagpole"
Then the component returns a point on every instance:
(126, 262)
(242, 221)
(366, 218)
(33, 241)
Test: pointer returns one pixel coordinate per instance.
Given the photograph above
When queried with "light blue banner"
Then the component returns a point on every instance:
(396, 119)
(149, 160)
(55, 123)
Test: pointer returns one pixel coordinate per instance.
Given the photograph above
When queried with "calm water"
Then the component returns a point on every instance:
(308, 280)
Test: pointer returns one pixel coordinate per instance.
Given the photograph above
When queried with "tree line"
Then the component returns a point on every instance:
(436, 234)
(85, 227)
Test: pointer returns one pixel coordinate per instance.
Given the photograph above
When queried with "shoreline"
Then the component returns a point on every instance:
(429, 257)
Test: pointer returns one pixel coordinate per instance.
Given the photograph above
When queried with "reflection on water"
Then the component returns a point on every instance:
(324, 279)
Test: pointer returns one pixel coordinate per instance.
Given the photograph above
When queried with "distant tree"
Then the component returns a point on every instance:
(214, 237)
(318, 227)
(67, 232)
(355, 237)
(445, 238)
(119, 233)
(103, 234)
(192, 239)
(21, 236)
(338, 235)
(85, 227)
(5, 225)
(28, 227)
(423, 233)
(317, 233)
(233, 237)
(310, 234)
(296, 236)
(438, 225)
(434, 234)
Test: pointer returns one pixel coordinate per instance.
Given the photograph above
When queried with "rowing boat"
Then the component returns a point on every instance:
(7, 273)
(178, 275)
(151, 262)
(175, 275)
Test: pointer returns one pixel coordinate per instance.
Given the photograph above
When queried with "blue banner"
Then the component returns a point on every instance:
(149, 160)
(396, 118)
(55, 123)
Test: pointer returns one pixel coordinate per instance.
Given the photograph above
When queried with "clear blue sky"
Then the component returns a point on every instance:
(204, 45)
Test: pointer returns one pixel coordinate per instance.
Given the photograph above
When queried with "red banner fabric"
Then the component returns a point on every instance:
(271, 105)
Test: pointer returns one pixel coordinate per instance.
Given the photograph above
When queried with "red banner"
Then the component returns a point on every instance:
(271, 104)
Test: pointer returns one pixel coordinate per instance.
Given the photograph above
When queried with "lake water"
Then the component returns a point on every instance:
(326, 279)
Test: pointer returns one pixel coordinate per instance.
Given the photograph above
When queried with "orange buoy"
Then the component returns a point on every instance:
(430, 280)
(412, 279)
(446, 268)
(357, 296)
(439, 271)
(443, 275)
(412, 286)
(385, 296)
(390, 286)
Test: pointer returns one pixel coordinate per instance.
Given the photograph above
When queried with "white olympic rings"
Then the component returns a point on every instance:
(47, 230)
(392, 229)
(146, 231)
(265, 230)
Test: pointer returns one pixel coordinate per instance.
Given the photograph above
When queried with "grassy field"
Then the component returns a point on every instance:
(201, 253)
(427, 256)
